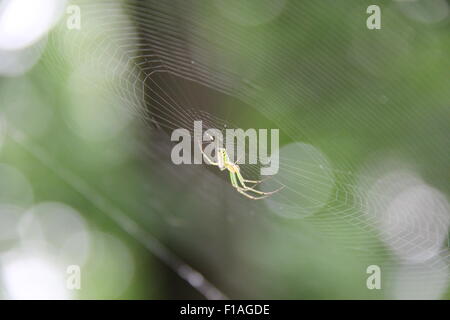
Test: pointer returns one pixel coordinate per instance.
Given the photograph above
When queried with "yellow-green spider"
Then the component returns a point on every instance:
(237, 180)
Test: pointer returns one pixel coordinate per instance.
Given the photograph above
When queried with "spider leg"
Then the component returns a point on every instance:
(233, 180)
(246, 188)
(256, 182)
(206, 157)
(242, 190)
(249, 181)
(253, 181)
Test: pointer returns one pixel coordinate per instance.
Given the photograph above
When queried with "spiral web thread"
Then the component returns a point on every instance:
(150, 48)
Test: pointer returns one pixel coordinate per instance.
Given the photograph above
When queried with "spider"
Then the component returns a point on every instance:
(224, 162)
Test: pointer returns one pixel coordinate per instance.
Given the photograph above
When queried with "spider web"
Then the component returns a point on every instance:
(170, 65)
